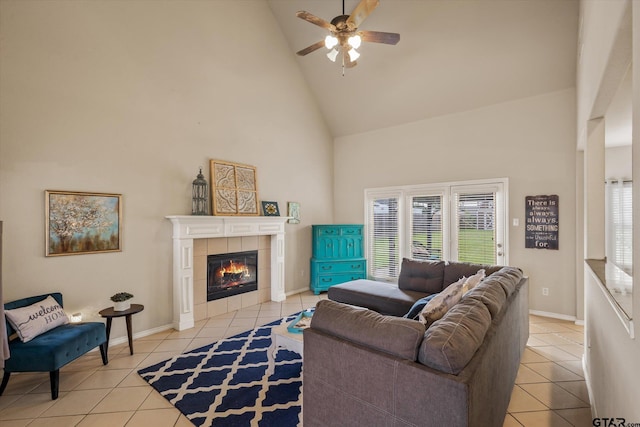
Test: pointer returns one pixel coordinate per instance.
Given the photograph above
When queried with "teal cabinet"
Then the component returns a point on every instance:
(337, 255)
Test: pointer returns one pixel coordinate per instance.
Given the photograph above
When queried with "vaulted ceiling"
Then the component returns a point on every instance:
(453, 55)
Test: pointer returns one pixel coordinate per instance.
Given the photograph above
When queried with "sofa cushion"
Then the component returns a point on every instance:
(418, 306)
(35, 319)
(450, 343)
(55, 348)
(385, 298)
(439, 305)
(393, 335)
(508, 278)
(491, 294)
(455, 270)
(421, 276)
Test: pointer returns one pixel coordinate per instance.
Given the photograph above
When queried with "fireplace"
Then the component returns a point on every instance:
(231, 274)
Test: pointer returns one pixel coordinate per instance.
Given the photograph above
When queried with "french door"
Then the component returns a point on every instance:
(458, 222)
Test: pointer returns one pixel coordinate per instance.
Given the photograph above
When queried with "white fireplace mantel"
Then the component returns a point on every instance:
(186, 228)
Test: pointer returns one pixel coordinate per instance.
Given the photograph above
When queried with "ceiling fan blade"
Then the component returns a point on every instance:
(311, 48)
(379, 37)
(315, 20)
(362, 10)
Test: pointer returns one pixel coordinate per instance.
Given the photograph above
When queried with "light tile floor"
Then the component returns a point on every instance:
(550, 388)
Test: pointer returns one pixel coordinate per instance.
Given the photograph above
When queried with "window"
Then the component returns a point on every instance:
(618, 210)
(383, 237)
(426, 227)
(475, 227)
(451, 221)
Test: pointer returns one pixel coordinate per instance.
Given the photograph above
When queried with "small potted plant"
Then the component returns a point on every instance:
(121, 301)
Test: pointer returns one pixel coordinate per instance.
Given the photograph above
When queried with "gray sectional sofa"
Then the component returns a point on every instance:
(364, 367)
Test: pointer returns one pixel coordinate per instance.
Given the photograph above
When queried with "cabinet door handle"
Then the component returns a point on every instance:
(326, 267)
(356, 266)
(327, 280)
(349, 231)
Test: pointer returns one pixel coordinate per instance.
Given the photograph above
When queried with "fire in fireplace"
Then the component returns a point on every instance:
(231, 274)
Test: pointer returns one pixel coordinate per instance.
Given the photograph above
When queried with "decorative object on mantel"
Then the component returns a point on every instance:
(82, 223)
(121, 301)
(200, 196)
(270, 208)
(233, 188)
(294, 212)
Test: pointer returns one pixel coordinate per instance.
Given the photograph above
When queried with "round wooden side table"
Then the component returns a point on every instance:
(110, 313)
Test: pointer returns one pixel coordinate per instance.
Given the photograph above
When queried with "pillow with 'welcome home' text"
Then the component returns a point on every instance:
(36, 319)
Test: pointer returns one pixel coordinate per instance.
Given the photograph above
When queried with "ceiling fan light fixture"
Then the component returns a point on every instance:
(353, 55)
(355, 41)
(343, 35)
(330, 41)
(332, 55)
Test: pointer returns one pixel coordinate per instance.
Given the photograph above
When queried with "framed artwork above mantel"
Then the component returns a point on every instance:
(234, 188)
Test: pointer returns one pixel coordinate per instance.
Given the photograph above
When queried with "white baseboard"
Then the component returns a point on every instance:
(141, 334)
(587, 381)
(552, 315)
(296, 291)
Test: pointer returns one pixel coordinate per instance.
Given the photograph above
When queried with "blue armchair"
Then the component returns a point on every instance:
(53, 349)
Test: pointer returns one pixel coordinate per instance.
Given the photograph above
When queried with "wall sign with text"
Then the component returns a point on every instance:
(542, 222)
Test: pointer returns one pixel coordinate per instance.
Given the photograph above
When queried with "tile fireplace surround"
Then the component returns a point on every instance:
(188, 228)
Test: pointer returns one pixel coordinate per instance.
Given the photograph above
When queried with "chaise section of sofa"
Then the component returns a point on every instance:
(362, 368)
(417, 279)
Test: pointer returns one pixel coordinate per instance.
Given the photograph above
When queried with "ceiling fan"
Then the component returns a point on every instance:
(344, 35)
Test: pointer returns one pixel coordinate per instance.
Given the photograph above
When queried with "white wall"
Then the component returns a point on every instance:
(530, 141)
(617, 163)
(131, 98)
(611, 355)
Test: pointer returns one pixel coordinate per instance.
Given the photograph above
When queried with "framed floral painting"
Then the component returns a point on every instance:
(82, 223)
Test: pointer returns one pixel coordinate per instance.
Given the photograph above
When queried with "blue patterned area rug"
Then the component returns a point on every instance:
(227, 384)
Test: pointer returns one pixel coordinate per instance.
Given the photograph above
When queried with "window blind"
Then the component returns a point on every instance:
(426, 227)
(476, 222)
(383, 238)
(619, 229)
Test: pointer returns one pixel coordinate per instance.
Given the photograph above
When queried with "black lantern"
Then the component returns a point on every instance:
(200, 196)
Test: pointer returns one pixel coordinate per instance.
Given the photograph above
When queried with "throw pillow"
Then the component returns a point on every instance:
(438, 306)
(473, 281)
(36, 319)
(418, 306)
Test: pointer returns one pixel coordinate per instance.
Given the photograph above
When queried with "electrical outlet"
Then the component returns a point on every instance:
(545, 292)
(301, 273)
(516, 222)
